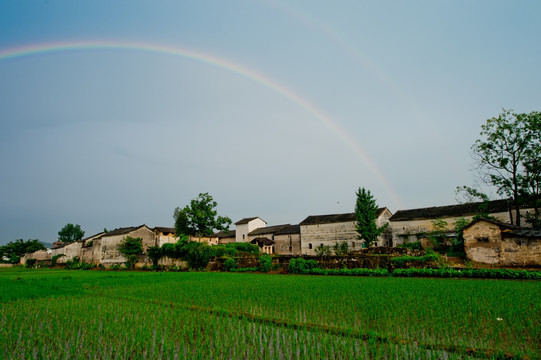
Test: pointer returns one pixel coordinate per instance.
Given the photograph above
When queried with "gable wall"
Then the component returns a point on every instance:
(288, 244)
(406, 231)
(244, 229)
(513, 251)
(313, 236)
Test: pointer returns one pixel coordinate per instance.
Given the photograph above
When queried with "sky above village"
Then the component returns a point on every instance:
(113, 113)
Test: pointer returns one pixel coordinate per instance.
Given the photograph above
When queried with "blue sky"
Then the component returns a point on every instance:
(384, 95)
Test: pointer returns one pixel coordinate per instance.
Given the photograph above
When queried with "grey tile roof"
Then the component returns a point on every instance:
(494, 206)
(225, 234)
(247, 220)
(334, 218)
(267, 230)
(289, 229)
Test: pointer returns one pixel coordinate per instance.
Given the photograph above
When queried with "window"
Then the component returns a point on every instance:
(482, 239)
(310, 246)
(243, 236)
(353, 244)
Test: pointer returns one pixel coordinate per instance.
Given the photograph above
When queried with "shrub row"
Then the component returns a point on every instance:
(469, 273)
(403, 260)
(350, 272)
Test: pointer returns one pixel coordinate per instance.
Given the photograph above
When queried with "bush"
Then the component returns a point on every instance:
(301, 266)
(55, 258)
(402, 260)
(30, 263)
(412, 245)
(349, 272)
(265, 263)
(470, 273)
(230, 264)
(323, 250)
(197, 255)
(244, 269)
(115, 267)
(154, 253)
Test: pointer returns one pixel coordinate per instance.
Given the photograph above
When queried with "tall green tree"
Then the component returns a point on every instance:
(12, 251)
(200, 218)
(530, 182)
(70, 233)
(507, 142)
(131, 248)
(365, 215)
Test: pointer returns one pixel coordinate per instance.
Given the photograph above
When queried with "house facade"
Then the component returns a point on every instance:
(245, 226)
(492, 242)
(328, 230)
(165, 235)
(225, 237)
(287, 241)
(412, 225)
(264, 237)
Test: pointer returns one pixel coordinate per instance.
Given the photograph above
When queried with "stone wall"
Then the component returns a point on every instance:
(313, 236)
(484, 243)
(288, 244)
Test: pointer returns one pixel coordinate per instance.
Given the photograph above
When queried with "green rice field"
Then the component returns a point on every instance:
(62, 314)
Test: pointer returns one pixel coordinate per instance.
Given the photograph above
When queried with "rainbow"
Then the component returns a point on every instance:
(45, 48)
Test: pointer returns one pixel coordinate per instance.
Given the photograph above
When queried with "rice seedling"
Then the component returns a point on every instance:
(124, 315)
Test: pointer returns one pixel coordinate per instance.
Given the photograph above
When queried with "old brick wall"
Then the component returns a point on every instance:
(521, 251)
(482, 242)
(313, 236)
(288, 244)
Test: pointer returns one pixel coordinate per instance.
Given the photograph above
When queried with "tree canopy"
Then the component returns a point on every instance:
(70, 233)
(13, 251)
(199, 218)
(508, 156)
(365, 214)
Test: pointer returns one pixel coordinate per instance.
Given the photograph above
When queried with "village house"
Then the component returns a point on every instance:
(108, 243)
(40, 255)
(264, 237)
(165, 235)
(287, 241)
(225, 237)
(329, 230)
(245, 226)
(412, 225)
(493, 242)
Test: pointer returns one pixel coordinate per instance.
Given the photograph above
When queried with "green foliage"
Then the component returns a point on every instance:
(70, 233)
(155, 253)
(14, 250)
(30, 263)
(365, 215)
(265, 263)
(131, 248)
(412, 245)
(55, 258)
(508, 155)
(247, 269)
(200, 218)
(76, 264)
(401, 261)
(457, 249)
(196, 254)
(470, 273)
(323, 250)
(341, 249)
(230, 264)
(301, 266)
(349, 272)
